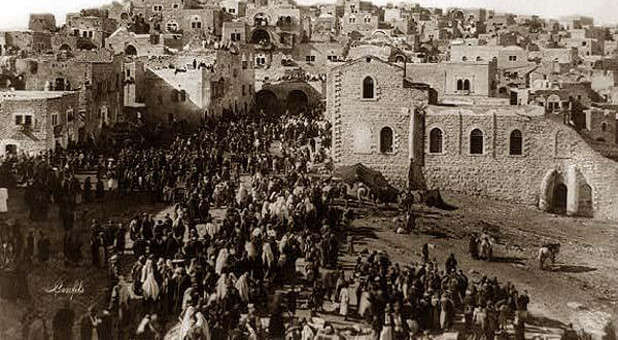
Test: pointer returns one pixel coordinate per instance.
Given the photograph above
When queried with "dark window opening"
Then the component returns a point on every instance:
(368, 88)
(515, 143)
(435, 141)
(476, 142)
(386, 140)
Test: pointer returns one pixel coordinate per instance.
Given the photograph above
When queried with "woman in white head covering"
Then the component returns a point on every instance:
(187, 322)
(201, 328)
(149, 284)
(242, 285)
(221, 260)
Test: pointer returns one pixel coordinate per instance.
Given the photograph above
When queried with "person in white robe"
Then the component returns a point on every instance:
(344, 301)
(4, 196)
(149, 284)
(364, 303)
(242, 285)
(187, 322)
(201, 327)
(221, 260)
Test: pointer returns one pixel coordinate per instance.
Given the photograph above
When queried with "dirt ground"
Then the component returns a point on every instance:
(581, 288)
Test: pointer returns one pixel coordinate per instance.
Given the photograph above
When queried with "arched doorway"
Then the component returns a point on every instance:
(260, 36)
(585, 201)
(297, 101)
(130, 50)
(559, 198)
(266, 100)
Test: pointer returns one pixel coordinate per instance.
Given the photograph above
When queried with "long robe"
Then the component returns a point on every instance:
(201, 326)
(364, 304)
(150, 286)
(221, 260)
(344, 301)
(187, 322)
(243, 287)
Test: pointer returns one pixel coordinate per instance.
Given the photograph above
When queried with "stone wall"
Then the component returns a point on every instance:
(552, 154)
(42, 22)
(227, 85)
(443, 77)
(357, 122)
(41, 106)
(143, 44)
(99, 84)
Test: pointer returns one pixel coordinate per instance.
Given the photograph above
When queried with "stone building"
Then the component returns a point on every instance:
(506, 57)
(275, 26)
(37, 121)
(136, 45)
(42, 22)
(457, 79)
(512, 153)
(222, 80)
(370, 104)
(234, 31)
(28, 42)
(94, 28)
(96, 75)
(601, 123)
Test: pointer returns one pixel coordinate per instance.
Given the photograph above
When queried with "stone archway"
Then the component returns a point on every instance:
(554, 192)
(585, 206)
(65, 47)
(297, 101)
(260, 36)
(267, 101)
(130, 50)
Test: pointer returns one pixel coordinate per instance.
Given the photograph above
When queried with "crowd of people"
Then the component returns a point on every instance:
(200, 275)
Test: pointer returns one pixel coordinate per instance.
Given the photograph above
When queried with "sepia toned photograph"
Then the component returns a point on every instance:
(309, 170)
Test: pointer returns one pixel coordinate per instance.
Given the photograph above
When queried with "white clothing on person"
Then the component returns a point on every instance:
(4, 196)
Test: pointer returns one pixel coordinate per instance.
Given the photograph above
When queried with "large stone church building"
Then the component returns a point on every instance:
(389, 121)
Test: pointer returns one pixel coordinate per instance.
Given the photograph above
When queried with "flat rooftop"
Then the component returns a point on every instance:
(25, 95)
(486, 110)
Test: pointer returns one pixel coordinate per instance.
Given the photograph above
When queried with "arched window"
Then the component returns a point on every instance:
(386, 140)
(459, 84)
(515, 143)
(604, 126)
(435, 141)
(368, 88)
(476, 142)
(466, 85)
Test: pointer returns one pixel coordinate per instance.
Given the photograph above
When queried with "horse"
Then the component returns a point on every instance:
(548, 251)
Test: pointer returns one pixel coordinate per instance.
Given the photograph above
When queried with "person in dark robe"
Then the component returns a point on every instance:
(29, 251)
(451, 263)
(105, 331)
(88, 190)
(62, 323)
(425, 252)
(99, 189)
(120, 239)
(89, 325)
(473, 247)
(94, 247)
(43, 247)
